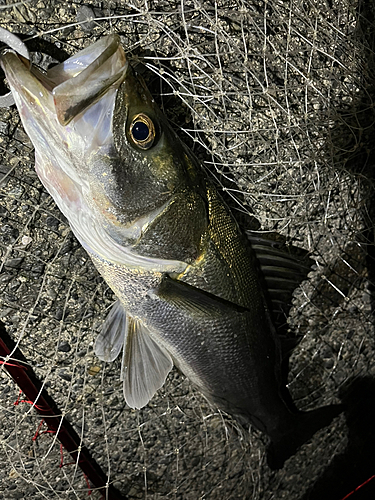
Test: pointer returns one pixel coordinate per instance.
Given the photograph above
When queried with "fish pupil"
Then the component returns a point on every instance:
(140, 131)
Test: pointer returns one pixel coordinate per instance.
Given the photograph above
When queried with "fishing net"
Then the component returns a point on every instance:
(276, 99)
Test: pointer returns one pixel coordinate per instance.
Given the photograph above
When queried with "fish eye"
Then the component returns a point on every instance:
(142, 131)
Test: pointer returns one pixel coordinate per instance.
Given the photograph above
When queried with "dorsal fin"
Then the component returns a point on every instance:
(282, 269)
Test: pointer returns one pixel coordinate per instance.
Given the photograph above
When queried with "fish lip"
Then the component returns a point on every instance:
(76, 94)
(59, 149)
(6, 49)
(71, 92)
(3, 56)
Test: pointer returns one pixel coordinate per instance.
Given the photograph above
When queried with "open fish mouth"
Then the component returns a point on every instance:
(72, 86)
(67, 112)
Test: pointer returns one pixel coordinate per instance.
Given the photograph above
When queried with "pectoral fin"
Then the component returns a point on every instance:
(193, 300)
(145, 365)
(111, 338)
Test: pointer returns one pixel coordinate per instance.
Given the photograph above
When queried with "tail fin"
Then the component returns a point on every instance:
(306, 425)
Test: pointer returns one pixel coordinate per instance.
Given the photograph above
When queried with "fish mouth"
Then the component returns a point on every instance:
(71, 87)
(67, 112)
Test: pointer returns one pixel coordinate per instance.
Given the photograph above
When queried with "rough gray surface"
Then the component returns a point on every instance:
(276, 98)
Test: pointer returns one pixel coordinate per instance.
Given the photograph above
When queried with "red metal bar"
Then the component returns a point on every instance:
(27, 381)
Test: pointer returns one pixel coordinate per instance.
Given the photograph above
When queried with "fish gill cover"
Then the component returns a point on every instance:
(276, 99)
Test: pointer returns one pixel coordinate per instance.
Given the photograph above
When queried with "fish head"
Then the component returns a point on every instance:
(142, 136)
(103, 149)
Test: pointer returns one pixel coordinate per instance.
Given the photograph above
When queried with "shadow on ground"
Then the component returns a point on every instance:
(357, 464)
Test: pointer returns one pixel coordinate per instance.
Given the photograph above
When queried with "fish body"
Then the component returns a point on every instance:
(159, 233)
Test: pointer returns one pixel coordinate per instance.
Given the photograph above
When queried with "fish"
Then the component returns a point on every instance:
(193, 290)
